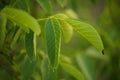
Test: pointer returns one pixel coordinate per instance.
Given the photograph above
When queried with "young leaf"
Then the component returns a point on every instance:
(67, 31)
(53, 41)
(30, 44)
(88, 32)
(60, 16)
(45, 4)
(72, 70)
(86, 67)
(22, 19)
(2, 30)
(62, 2)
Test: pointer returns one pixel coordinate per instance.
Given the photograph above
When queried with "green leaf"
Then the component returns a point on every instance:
(62, 2)
(47, 71)
(86, 67)
(16, 37)
(30, 44)
(46, 5)
(53, 41)
(44, 69)
(60, 16)
(88, 32)
(67, 31)
(23, 4)
(65, 59)
(22, 19)
(72, 71)
(28, 67)
(2, 30)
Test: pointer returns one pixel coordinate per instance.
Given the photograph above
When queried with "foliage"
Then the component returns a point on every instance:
(45, 40)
